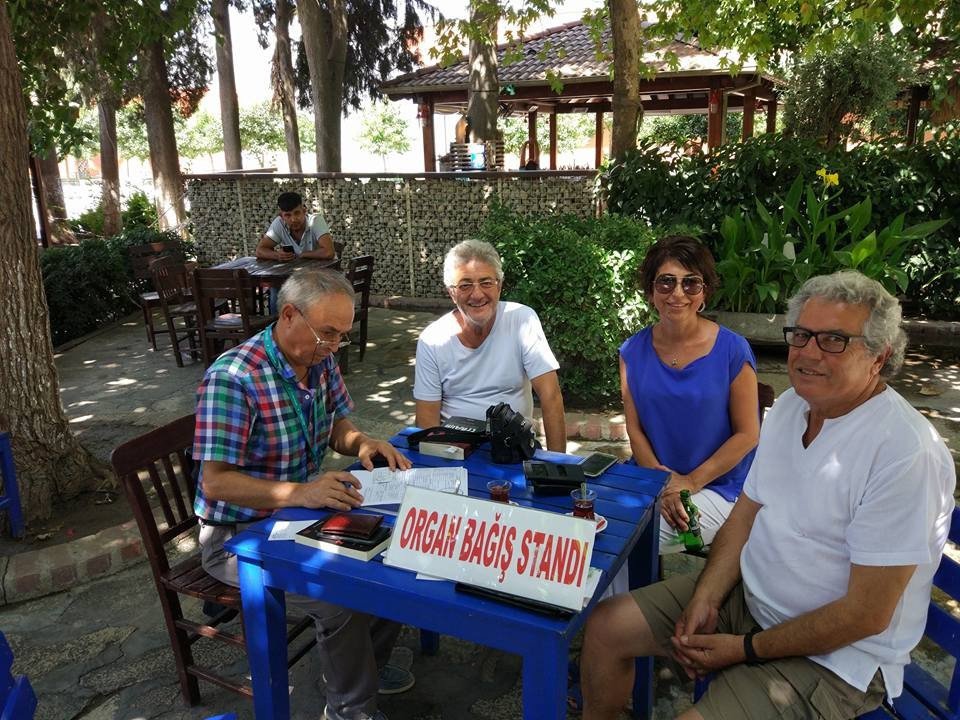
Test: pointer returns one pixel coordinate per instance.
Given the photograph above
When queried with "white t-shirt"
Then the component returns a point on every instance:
(316, 228)
(467, 380)
(875, 487)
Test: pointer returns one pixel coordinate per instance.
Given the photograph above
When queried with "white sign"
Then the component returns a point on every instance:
(531, 553)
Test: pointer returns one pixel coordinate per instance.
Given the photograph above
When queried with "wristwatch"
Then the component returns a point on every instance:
(751, 654)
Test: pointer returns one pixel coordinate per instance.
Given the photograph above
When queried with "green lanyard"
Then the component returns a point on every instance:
(273, 354)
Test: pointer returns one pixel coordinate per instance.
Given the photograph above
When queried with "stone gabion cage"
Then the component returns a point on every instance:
(406, 223)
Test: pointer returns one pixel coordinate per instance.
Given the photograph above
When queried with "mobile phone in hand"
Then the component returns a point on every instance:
(286, 248)
(596, 463)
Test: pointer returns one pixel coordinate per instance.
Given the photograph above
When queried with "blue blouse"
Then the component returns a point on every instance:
(685, 413)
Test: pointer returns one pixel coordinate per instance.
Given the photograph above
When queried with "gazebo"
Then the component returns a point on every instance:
(699, 85)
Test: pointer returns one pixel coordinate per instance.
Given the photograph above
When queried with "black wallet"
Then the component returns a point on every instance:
(549, 478)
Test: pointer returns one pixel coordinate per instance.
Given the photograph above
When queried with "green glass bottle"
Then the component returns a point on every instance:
(692, 538)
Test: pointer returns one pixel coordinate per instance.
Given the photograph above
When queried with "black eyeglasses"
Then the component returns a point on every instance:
(691, 284)
(831, 342)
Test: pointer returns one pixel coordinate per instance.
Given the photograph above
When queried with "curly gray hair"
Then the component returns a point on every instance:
(306, 287)
(882, 329)
(464, 252)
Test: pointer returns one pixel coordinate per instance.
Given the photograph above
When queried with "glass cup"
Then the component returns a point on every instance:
(583, 503)
(499, 490)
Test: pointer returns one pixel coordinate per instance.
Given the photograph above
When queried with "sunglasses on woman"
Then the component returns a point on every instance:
(691, 284)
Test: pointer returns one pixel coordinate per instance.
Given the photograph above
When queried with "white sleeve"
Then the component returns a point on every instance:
(319, 226)
(427, 384)
(275, 231)
(538, 358)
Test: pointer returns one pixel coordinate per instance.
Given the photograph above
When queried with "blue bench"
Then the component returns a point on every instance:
(10, 497)
(17, 699)
(924, 697)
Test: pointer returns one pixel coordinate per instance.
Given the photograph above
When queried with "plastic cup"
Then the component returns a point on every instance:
(583, 504)
(499, 490)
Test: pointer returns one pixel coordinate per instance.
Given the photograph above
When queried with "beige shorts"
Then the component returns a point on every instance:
(786, 688)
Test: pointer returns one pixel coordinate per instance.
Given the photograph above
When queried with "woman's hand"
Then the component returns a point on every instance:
(671, 508)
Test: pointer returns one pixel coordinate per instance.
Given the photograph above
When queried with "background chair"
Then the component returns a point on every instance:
(360, 275)
(158, 462)
(10, 499)
(211, 286)
(173, 290)
(338, 248)
(141, 258)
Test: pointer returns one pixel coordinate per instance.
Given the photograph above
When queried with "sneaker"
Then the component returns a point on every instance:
(395, 679)
(331, 714)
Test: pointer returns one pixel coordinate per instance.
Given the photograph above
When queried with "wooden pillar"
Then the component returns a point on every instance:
(715, 119)
(913, 115)
(425, 116)
(532, 136)
(598, 149)
(553, 140)
(772, 115)
(749, 107)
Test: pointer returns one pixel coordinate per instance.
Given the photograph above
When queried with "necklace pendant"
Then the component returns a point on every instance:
(674, 363)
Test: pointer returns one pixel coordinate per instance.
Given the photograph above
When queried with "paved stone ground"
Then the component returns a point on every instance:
(98, 649)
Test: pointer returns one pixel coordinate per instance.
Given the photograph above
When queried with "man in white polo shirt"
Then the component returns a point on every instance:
(485, 351)
(817, 585)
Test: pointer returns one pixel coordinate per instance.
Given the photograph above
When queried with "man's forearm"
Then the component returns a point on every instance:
(723, 566)
(554, 425)
(229, 484)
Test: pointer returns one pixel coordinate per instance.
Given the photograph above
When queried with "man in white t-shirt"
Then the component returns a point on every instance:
(817, 585)
(485, 351)
(295, 233)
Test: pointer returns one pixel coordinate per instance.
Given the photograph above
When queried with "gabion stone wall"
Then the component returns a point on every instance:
(406, 223)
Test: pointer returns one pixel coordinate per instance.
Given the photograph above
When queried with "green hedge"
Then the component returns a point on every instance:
(580, 276)
(921, 182)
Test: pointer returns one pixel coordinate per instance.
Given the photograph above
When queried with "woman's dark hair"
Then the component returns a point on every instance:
(686, 250)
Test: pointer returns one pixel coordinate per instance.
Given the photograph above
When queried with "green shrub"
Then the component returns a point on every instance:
(921, 182)
(580, 276)
(139, 213)
(86, 287)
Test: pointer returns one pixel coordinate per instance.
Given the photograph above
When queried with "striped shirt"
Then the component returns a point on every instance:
(247, 416)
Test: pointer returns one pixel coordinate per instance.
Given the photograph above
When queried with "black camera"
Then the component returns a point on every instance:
(512, 439)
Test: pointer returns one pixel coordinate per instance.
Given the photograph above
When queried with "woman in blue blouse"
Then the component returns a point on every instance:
(689, 390)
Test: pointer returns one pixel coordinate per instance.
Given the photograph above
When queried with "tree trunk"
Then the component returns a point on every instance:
(325, 40)
(627, 45)
(483, 93)
(284, 86)
(109, 166)
(164, 158)
(50, 462)
(229, 107)
(53, 193)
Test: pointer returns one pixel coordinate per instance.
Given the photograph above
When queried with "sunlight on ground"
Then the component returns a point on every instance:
(82, 418)
(140, 409)
(122, 382)
(89, 362)
(81, 403)
(389, 383)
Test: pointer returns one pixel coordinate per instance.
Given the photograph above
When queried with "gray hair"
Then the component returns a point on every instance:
(464, 252)
(306, 287)
(881, 330)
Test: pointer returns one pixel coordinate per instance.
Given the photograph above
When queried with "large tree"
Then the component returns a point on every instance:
(277, 15)
(349, 47)
(50, 461)
(229, 106)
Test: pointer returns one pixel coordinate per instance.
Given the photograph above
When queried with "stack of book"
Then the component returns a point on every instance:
(357, 535)
(446, 450)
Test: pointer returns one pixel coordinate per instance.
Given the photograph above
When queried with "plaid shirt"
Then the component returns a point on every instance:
(245, 417)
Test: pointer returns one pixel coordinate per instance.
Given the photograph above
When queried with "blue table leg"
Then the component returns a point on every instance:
(545, 681)
(11, 492)
(265, 629)
(644, 563)
(429, 642)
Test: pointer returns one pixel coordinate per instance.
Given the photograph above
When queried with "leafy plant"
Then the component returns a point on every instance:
(580, 276)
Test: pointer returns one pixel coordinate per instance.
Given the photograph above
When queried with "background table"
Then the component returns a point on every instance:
(274, 272)
(628, 496)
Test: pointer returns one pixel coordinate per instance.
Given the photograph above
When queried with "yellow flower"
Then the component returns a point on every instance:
(828, 178)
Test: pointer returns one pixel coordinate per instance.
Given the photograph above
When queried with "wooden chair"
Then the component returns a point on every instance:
(338, 248)
(172, 284)
(158, 462)
(360, 275)
(236, 286)
(17, 698)
(10, 497)
(141, 258)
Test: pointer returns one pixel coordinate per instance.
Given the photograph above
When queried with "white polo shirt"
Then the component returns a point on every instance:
(875, 487)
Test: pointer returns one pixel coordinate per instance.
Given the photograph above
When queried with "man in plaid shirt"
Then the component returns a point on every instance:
(266, 412)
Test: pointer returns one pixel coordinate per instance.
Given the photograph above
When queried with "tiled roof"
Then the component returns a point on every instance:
(570, 52)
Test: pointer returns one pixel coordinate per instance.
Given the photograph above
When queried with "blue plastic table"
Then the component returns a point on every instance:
(628, 497)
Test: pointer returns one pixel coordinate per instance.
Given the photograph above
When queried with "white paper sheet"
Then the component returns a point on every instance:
(384, 486)
(287, 529)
